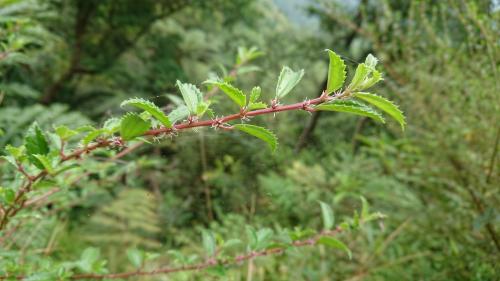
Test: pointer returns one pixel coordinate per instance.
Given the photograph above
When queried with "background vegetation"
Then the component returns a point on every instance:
(72, 62)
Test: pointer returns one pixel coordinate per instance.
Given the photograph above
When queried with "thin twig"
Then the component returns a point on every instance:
(211, 263)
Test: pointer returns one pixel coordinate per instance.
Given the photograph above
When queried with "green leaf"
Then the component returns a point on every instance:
(232, 92)
(385, 105)
(328, 216)
(287, 81)
(257, 105)
(191, 95)
(365, 208)
(132, 126)
(372, 80)
(151, 256)
(149, 107)
(263, 238)
(85, 128)
(336, 72)
(255, 94)
(232, 243)
(88, 259)
(47, 164)
(245, 55)
(251, 236)
(136, 257)
(352, 107)
(64, 132)
(66, 168)
(179, 113)
(36, 143)
(366, 75)
(362, 71)
(16, 152)
(334, 243)
(112, 125)
(208, 242)
(202, 108)
(218, 270)
(92, 135)
(259, 132)
(10, 159)
(7, 194)
(371, 61)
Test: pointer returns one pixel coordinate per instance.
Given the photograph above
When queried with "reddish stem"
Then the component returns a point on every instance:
(190, 123)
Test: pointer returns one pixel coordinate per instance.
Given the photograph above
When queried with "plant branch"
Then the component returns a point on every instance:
(20, 199)
(211, 262)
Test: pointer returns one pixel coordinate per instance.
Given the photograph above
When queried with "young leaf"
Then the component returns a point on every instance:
(179, 113)
(149, 107)
(88, 258)
(47, 164)
(8, 195)
(36, 143)
(132, 126)
(352, 107)
(259, 132)
(92, 135)
(66, 168)
(287, 81)
(64, 132)
(336, 72)
(191, 95)
(327, 214)
(255, 94)
(10, 159)
(218, 270)
(208, 243)
(202, 108)
(112, 125)
(365, 208)
(366, 75)
(245, 55)
(263, 238)
(362, 71)
(372, 80)
(16, 152)
(385, 105)
(257, 105)
(136, 257)
(371, 61)
(251, 237)
(232, 92)
(334, 243)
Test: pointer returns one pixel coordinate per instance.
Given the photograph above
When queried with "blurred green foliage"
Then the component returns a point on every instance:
(71, 62)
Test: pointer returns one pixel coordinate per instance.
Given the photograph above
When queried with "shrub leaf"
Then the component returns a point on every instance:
(149, 107)
(352, 107)
(259, 132)
(385, 105)
(336, 72)
(132, 126)
(36, 143)
(287, 81)
(231, 91)
(191, 95)
(327, 214)
(334, 243)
